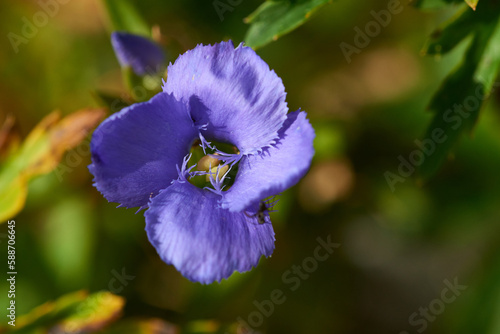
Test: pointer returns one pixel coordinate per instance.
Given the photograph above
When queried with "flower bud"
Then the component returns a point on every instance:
(214, 174)
(206, 163)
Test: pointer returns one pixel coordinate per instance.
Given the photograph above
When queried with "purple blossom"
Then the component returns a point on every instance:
(140, 159)
(141, 54)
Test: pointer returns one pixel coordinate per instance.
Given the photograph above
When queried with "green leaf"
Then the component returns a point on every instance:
(459, 100)
(124, 17)
(276, 18)
(445, 38)
(488, 67)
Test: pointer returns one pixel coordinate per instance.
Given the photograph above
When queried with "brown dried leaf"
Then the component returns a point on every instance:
(64, 135)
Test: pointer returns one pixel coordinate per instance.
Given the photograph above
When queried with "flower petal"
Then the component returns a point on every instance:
(140, 53)
(204, 242)
(233, 91)
(135, 152)
(276, 169)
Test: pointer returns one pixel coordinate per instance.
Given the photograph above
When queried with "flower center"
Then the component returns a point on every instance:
(212, 170)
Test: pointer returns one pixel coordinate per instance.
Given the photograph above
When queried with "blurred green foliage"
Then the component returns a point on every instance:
(459, 100)
(275, 18)
(397, 245)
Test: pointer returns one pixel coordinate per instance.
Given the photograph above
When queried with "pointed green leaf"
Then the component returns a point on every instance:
(276, 18)
(453, 32)
(465, 22)
(488, 67)
(459, 100)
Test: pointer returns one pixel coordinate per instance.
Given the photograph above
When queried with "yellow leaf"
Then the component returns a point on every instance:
(52, 311)
(472, 3)
(40, 153)
(12, 198)
(97, 311)
(63, 136)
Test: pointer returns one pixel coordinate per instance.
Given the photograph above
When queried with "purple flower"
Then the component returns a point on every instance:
(140, 159)
(141, 54)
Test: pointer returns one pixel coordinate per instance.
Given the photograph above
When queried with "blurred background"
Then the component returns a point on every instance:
(402, 250)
